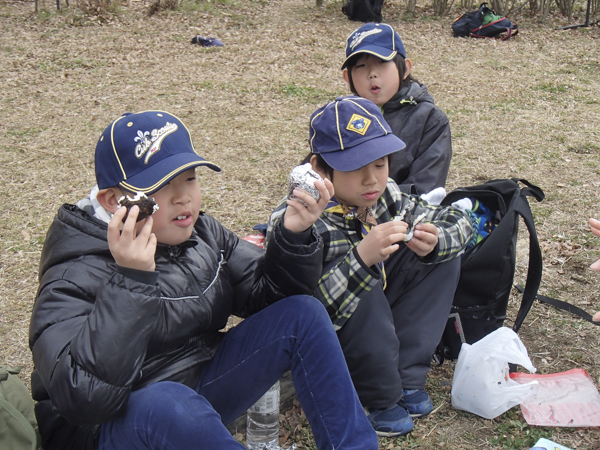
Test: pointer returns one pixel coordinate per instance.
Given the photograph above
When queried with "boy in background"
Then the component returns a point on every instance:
(376, 68)
(388, 295)
(127, 327)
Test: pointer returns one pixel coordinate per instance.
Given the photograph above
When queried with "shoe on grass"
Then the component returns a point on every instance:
(416, 401)
(391, 421)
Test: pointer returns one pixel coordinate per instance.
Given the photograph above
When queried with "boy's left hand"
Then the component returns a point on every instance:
(299, 218)
(424, 240)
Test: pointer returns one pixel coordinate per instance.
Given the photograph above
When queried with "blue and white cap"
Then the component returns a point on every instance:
(350, 132)
(142, 152)
(378, 39)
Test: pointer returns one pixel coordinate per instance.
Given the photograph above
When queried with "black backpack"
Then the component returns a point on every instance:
(488, 267)
(484, 23)
(363, 10)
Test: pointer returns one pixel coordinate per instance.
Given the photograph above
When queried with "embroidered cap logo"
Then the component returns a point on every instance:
(150, 142)
(358, 124)
(358, 37)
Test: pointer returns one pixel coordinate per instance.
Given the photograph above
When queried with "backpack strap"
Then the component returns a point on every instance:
(562, 305)
(534, 270)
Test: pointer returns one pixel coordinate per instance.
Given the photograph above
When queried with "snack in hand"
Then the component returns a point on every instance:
(147, 205)
(304, 177)
(410, 220)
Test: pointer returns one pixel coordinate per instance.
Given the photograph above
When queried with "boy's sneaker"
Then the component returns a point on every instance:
(416, 401)
(392, 421)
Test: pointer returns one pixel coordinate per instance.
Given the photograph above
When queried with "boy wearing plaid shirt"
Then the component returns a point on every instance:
(388, 299)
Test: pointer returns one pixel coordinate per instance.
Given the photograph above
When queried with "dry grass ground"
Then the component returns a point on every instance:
(528, 107)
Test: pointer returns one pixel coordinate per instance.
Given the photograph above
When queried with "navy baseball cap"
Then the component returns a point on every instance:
(142, 152)
(378, 39)
(350, 133)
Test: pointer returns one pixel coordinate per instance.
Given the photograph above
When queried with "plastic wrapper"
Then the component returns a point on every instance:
(410, 220)
(565, 399)
(482, 384)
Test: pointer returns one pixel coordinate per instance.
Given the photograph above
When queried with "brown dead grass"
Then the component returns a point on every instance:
(528, 107)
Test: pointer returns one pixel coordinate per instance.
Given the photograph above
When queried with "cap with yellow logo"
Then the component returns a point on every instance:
(350, 132)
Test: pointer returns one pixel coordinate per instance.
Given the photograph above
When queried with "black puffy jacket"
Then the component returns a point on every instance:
(425, 129)
(97, 334)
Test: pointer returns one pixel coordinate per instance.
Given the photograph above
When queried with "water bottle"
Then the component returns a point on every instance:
(262, 422)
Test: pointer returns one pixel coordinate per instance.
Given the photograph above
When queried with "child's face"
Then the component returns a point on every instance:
(361, 187)
(179, 205)
(375, 79)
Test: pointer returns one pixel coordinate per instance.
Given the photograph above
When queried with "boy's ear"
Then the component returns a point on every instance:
(316, 168)
(407, 68)
(346, 76)
(109, 199)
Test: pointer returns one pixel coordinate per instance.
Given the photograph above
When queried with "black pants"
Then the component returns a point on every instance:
(390, 338)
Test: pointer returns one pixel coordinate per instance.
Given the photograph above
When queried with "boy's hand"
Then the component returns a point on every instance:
(595, 224)
(299, 218)
(424, 240)
(129, 248)
(381, 242)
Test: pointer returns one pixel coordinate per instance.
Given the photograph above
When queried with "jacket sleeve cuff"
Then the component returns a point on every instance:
(374, 270)
(310, 242)
(302, 238)
(143, 276)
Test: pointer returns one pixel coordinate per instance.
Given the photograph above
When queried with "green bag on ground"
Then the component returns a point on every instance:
(18, 427)
(490, 16)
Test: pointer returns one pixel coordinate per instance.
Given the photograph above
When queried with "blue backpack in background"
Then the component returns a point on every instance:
(484, 23)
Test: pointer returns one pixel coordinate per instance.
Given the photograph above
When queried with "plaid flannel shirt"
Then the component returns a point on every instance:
(341, 287)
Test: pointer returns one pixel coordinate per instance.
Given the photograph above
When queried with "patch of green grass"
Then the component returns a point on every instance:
(47, 66)
(28, 132)
(206, 84)
(305, 92)
(114, 7)
(508, 103)
(206, 6)
(552, 88)
(514, 433)
(82, 63)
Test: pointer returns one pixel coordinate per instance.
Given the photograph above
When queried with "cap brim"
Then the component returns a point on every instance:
(354, 158)
(382, 53)
(157, 175)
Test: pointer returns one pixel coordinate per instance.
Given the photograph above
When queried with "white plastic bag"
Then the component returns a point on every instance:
(482, 384)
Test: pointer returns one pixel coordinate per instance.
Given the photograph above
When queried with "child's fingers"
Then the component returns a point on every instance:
(595, 224)
(304, 196)
(130, 222)
(326, 190)
(146, 229)
(114, 226)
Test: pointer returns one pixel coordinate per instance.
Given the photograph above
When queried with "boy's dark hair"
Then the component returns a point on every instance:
(321, 164)
(400, 65)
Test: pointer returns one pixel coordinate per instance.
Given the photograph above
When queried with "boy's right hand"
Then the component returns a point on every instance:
(381, 242)
(130, 248)
(595, 226)
(298, 217)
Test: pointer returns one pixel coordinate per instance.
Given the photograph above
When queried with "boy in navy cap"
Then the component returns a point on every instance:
(127, 331)
(377, 69)
(390, 262)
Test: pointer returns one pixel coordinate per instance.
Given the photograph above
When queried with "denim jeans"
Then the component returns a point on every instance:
(294, 333)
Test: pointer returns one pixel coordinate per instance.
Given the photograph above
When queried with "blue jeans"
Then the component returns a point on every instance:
(294, 333)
